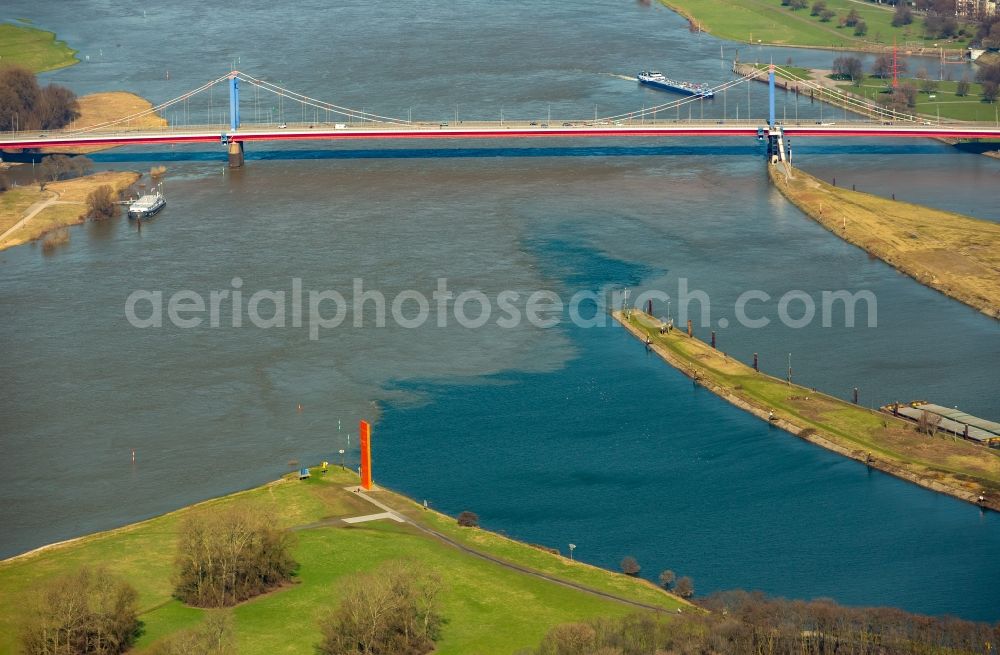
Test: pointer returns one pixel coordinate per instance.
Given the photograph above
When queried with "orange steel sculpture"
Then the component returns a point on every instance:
(366, 455)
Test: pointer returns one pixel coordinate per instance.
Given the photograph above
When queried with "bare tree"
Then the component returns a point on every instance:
(990, 91)
(684, 587)
(569, 639)
(882, 67)
(468, 519)
(928, 423)
(667, 578)
(739, 622)
(962, 87)
(391, 610)
(848, 68)
(26, 106)
(228, 556)
(902, 16)
(87, 612)
(214, 636)
(630, 566)
(101, 203)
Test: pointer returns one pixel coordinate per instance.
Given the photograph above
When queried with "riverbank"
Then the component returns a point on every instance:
(98, 109)
(954, 254)
(941, 463)
(499, 594)
(767, 22)
(28, 213)
(107, 107)
(33, 48)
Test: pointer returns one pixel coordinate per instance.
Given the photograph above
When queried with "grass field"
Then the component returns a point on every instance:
(35, 49)
(69, 210)
(768, 22)
(489, 608)
(834, 423)
(945, 104)
(15, 202)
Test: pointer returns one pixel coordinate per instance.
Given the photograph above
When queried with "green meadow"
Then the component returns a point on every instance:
(489, 608)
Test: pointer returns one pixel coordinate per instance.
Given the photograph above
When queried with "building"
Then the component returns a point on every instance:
(976, 9)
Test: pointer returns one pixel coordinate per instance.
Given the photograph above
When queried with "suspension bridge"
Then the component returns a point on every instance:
(332, 122)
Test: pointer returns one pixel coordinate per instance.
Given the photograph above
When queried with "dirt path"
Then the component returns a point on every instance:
(399, 516)
(30, 213)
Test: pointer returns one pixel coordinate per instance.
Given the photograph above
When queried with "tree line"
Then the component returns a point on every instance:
(905, 95)
(740, 622)
(940, 19)
(24, 105)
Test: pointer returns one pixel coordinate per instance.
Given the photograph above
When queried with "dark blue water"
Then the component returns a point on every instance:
(740, 148)
(658, 468)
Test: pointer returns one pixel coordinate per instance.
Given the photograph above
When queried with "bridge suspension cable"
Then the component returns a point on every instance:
(847, 100)
(151, 110)
(675, 104)
(850, 101)
(319, 104)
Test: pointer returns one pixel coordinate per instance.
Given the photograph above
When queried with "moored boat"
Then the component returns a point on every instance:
(147, 205)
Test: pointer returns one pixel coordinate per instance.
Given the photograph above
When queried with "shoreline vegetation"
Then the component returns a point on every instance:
(498, 595)
(35, 49)
(768, 22)
(28, 213)
(951, 253)
(40, 212)
(943, 102)
(937, 462)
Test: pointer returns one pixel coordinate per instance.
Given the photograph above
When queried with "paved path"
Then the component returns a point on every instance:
(496, 560)
(373, 517)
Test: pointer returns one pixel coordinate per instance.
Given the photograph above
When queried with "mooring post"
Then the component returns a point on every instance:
(713, 338)
(755, 368)
(855, 395)
(690, 328)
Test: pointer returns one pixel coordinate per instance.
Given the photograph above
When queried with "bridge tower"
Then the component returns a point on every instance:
(775, 134)
(235, 147)
(770, 97)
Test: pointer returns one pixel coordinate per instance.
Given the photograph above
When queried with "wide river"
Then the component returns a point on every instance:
(554, 435)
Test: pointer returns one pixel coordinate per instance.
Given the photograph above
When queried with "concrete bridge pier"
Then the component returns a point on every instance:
(777, 151)
(235, 154)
